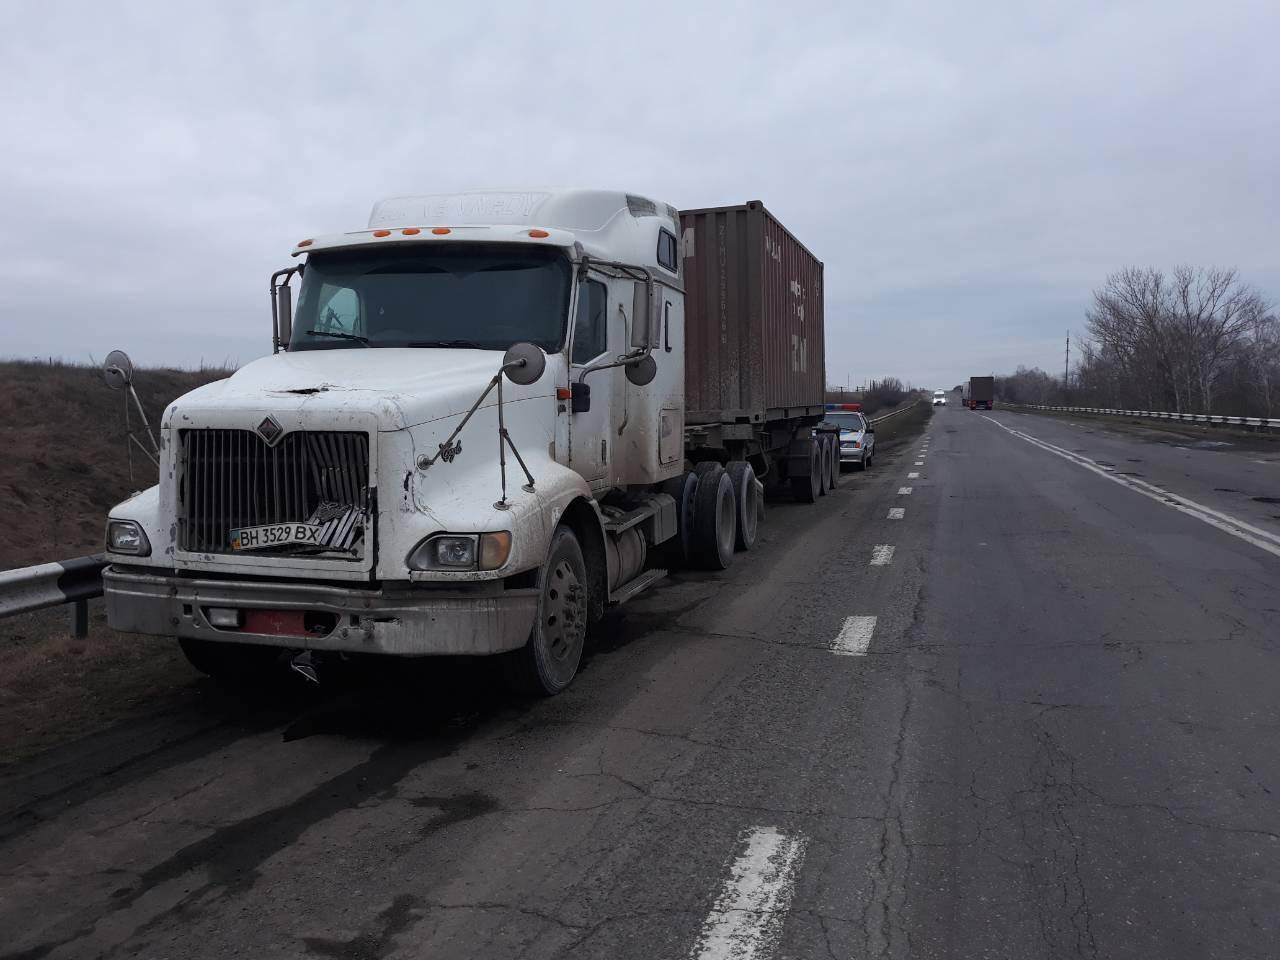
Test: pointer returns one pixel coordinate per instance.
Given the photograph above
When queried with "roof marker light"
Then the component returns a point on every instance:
(305, 243)
(410, 231)
(440, 231)
(382, 233)
(539, 234)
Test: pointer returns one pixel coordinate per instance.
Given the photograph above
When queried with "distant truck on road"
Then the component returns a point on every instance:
(491, 416)
(982, 392)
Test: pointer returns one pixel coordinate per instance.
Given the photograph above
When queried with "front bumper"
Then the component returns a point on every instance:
(406, 620)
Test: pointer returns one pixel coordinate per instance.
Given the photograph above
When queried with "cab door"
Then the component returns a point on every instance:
(597, 338)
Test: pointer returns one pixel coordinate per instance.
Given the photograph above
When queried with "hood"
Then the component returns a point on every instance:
(402, 386)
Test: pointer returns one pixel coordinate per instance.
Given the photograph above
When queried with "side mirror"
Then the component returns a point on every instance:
(523, 364)
(640, 307)
(579, 397)
(870, 429)
(642, 372)
(117, 370)
(284, 311)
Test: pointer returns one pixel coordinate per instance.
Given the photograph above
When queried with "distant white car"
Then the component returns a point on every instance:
(939, 398)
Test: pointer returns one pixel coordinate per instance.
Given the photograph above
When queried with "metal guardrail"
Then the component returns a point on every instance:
(52, 584)
(889, 416)
(1158, 415)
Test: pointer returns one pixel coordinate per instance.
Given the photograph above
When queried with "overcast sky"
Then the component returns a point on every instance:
(968, 172)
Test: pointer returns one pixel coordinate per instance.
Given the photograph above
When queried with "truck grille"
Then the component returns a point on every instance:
(233, 479)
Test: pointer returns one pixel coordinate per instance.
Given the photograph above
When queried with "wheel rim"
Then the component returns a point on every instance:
(563, 617)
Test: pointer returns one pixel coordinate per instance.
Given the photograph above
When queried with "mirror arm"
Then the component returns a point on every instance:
(624, 361)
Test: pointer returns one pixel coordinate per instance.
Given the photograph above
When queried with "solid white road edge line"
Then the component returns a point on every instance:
(1262, 539)
(854, 636)
(904, 491)
(897, 513)
(746, 921)
(881, 555)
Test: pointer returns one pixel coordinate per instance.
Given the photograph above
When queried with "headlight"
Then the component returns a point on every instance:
(125, 536)
(467, 551)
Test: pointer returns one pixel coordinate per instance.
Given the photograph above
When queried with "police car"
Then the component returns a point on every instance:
(857, 437)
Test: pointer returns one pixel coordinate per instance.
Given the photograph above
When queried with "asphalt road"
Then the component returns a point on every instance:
(1043, 724)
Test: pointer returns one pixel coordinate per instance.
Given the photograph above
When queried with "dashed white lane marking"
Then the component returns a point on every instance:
(746, 921)
(881, 555)
(904, 491)
(913, 476)
(919, 463)
(1262, 539)
(854, 636)
(897, 513)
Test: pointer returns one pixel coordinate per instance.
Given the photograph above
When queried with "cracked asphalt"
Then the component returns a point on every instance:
(1061, 742)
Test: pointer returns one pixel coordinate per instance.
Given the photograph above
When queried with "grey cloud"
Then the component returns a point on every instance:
(966, 175)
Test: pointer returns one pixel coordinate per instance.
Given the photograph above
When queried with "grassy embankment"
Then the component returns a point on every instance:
(64, 466)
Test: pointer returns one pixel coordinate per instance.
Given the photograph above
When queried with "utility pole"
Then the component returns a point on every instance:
(1066, 372)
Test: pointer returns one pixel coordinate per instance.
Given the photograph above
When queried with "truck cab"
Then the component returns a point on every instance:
(390, 480)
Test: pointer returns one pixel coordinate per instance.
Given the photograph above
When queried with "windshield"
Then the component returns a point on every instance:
(846, 421)
(465, 295)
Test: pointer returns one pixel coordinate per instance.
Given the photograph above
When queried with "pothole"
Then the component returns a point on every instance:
(1225, 490)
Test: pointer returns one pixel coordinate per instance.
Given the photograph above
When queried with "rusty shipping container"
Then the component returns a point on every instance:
(753, 318)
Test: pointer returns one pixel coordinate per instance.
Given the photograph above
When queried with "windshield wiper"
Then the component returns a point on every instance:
(338, 336)
(446, 343)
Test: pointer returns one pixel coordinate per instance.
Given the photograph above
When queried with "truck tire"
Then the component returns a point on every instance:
(746, 494)
(548, 662)
(824, 472)
(230, 662)
(808, 489)
(835, 462)
(684, 490)
(715, 518)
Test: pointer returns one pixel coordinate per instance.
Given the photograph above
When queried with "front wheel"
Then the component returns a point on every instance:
(548, 662)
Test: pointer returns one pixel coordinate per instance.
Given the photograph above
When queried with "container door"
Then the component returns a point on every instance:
(597, 337)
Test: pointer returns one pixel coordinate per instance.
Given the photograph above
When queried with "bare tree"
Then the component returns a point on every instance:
(1169, 341)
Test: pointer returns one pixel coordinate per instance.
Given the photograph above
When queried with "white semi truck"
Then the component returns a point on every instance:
(491, 416)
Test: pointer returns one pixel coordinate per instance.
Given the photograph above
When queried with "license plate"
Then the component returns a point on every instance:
(275, 535)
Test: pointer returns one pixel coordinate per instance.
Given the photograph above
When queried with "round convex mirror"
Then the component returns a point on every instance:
(642, 371)
(523, 363)
(117, 370)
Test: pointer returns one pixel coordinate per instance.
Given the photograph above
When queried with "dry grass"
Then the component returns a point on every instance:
(65, 462)
(63, 467)
(54, 688)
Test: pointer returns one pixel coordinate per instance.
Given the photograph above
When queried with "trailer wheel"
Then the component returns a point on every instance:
(808, 489)
(746, 494)
(835, 462)
(715, 522)
(684, 489)
(229, 662)
(547, 663)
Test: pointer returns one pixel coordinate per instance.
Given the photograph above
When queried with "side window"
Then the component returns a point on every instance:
(590, 329)
(667, 251)
(339, 310)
